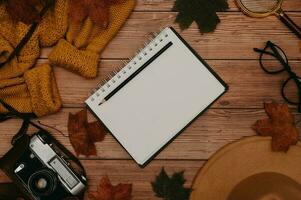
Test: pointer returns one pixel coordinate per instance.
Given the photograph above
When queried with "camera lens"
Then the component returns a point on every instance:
(42, 182)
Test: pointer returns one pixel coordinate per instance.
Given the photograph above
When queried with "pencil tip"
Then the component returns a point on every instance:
(102, 101)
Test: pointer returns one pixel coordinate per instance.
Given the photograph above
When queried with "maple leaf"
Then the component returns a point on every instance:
(171, 188)
(106, 191)
(96, 131)
(77, 10)
(100, 14)
(83, 135)
(280, 125)
(98, 11)
(26, 11)
(203, 12)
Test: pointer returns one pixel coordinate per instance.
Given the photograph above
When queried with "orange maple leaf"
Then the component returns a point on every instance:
(23, 10)
(98, 11)
(83, 135)
(106, 191)
(280, 125)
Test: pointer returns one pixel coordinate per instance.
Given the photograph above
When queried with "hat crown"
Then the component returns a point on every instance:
(243, 159)
(271, 197)
(266, 186)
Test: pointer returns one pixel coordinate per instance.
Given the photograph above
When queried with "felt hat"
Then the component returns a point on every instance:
(250, 170)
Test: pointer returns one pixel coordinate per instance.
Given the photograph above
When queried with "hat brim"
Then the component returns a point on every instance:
(239, 160)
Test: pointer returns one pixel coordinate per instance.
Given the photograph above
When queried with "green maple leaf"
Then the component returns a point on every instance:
(203, 12)
(171, 188)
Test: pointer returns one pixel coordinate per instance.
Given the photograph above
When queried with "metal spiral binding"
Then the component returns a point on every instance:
(105, 83)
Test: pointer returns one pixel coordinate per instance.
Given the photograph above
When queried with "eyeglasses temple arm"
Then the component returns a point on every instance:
(263, 51)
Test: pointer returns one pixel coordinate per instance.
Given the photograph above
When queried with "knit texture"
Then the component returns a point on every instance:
(54, 24)
(36, 92)
(52, 27)
(10, 35)
(27, 88)
(20, 63)
(79, 52)
(75, 60)
(31, 88)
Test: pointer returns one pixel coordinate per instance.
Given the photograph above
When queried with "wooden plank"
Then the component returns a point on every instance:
(201, 139)
(249, 84)
(123, 171)
(127, 171)
(234, 37)
(166, 5)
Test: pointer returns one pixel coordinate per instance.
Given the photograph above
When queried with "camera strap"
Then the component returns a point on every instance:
(14, 113)
(23, 130)
(28, 35)
(22, 133)
(9, 191)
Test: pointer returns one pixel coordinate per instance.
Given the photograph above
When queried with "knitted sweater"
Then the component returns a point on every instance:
(31, 88)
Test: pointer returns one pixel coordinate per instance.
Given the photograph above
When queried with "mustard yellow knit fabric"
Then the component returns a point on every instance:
(54, 24)
(25, 86)
(51, 29)
(31, 88)
(10, 35)
(80, 50)
(35, 92)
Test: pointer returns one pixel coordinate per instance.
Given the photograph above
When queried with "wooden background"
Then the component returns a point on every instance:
(228, 50)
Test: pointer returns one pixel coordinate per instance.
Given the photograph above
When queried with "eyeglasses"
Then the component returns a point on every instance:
(292, 85)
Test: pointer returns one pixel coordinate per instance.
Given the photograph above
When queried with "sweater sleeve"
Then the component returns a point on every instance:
(35, 92)
(54, 24)
(10, 35)
(80, 51)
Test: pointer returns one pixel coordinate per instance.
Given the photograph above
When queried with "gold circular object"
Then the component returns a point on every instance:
(274, 10)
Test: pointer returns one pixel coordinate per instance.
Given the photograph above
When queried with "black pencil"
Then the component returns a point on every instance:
(136, 72)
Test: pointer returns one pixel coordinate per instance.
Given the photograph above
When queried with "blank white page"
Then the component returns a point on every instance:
(160, 101)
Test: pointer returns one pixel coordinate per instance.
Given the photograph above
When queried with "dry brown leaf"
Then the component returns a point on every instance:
(77, 10)
(280, 125)
(78, 134)
(106, 191)
(96, 131)
(83, 135)
(24, 10)
(98, 11)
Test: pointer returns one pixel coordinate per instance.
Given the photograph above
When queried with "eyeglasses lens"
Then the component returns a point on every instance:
(291, 91)
(271, 63)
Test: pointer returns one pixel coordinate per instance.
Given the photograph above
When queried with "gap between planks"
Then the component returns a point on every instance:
(167, 5)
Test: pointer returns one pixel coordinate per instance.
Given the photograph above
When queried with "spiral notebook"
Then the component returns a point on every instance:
(156, 95)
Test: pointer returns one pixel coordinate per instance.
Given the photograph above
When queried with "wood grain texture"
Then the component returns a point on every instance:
(200, 140)
(234, 38)
(248, 84)
(128, 172)
(166, 5)
(228, 50)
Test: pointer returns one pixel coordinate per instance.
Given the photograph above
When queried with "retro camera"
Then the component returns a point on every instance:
(45, 170)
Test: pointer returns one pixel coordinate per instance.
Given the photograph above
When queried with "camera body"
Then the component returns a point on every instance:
(45, 170)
